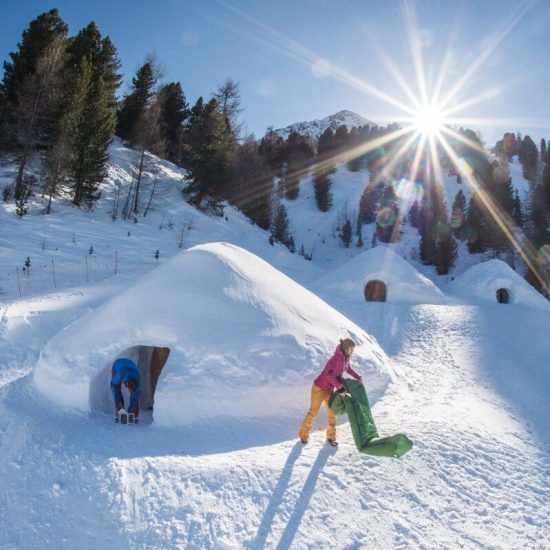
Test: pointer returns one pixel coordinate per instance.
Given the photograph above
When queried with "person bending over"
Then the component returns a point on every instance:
(125, 372)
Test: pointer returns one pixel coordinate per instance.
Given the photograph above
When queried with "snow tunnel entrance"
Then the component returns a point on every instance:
(150, 361)
(503, 296)
(375, 291)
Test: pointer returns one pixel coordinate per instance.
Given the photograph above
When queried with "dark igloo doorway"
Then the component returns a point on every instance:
(150, 361)
(503, 296)
(375, 291)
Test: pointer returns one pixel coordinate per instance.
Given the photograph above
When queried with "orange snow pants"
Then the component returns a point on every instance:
(318, 396)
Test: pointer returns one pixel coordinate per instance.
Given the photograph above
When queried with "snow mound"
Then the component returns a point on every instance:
(485, 279)
(245, 341)
(402, 281)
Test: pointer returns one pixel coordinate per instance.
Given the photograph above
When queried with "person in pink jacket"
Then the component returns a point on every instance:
(324, 386)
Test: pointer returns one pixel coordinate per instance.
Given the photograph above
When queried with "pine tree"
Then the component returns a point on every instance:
(369, 202)
(528, 156)
(228, 98)
(509, 145)
(280, 227)
(414, 214)
(252, 185)
(208, 155)
(517, 214)
(41, 33)
(298, 155)
(387, 215)
(38, 104)
(341, 138)
(458, 219)
(94, 65)
(131, 117)
(325, 145)
(346, 234)
(446, 251)
(272, 148)
(539, 207)
(476, 230)
(174, 112)
(322, 185)
(425, 228)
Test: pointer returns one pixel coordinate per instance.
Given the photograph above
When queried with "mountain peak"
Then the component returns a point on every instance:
(315, 128)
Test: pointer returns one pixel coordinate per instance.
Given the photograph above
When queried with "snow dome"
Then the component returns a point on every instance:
(379, 274)
(496, 281)
(216, 331)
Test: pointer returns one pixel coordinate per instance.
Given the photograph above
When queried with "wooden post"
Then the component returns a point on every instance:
(53, 269)
(18, 283)
(116, 260)
(181, 238)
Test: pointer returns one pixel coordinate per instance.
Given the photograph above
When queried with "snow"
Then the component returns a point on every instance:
(464, 377)
(482, 281)
(314, 128)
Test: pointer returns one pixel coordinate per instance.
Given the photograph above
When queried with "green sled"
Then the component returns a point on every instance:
(363, 428)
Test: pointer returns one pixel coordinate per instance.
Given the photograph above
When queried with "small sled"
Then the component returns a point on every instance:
(355, 404)
(125, 418)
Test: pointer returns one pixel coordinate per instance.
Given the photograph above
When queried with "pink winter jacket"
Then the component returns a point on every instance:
(336, 366)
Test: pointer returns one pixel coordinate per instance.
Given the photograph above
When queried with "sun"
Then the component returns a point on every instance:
(428, 120)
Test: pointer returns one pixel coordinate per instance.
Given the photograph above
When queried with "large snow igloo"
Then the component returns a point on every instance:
(216, 331)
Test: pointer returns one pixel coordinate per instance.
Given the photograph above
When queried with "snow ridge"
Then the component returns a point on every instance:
(314, 128)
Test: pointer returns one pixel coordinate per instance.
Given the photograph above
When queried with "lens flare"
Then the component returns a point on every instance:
(386, 217)
(408, 191)
(464, 167)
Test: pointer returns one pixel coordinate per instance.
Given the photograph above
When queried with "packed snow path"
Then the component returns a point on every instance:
(477, 476)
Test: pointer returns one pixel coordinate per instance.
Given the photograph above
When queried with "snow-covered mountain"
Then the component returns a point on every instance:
(315, 128)
(463, 376)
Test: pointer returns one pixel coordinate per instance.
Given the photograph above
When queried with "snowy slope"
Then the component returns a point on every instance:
(469, 385)
(465, 392)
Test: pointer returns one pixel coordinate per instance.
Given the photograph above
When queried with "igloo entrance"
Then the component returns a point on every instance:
(150, 361)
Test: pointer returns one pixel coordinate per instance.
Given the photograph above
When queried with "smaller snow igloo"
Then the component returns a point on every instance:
(217, 332)
(380, 275)
(497, 282)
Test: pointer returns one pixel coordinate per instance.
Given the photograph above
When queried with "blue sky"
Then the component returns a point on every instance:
(305, 59)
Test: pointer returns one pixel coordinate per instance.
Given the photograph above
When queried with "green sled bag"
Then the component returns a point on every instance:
(355, 404)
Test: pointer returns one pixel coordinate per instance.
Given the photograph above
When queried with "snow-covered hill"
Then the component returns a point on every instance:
(314, 128)
(464, 376)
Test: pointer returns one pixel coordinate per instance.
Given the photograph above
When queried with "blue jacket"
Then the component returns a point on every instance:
(123, 370)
